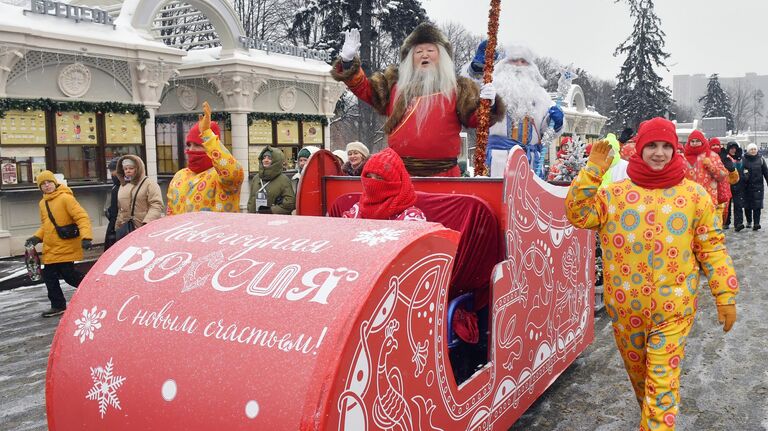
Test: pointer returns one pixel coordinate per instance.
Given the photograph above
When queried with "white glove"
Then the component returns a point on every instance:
(487, 91)
(351, 45)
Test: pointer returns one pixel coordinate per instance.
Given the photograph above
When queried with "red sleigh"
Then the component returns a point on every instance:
(234, 321)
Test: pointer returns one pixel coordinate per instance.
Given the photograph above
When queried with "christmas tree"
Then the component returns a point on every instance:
(639, 94)
(716, 102)
(566, 170)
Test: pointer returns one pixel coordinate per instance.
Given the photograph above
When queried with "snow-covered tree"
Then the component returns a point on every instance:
(567, 169)
(639, 94)
(383, 24)
(716, 102)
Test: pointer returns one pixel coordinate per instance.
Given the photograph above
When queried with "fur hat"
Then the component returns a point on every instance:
(359, 147)
(656, 129)
(425, 33)
(749, 147)
(194, 133)
(46, 176)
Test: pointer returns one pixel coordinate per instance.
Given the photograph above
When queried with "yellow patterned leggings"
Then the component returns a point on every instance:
(652, 355)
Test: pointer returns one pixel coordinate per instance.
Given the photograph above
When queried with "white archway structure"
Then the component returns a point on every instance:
(140, 14)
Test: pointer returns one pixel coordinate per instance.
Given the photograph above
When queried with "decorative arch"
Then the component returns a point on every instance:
(219, 12)
(576, 98)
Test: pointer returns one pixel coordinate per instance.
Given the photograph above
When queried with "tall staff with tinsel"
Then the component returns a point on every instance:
(485, 105)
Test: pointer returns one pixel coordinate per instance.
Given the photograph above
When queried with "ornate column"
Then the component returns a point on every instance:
(238, 89)
(150, 143)
(148, 81)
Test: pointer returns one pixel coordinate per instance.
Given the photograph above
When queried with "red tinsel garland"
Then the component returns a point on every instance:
(485, 105)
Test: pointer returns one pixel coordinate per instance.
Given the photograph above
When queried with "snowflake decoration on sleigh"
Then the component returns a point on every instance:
(88, 323)
(105, 387)
(378, 236)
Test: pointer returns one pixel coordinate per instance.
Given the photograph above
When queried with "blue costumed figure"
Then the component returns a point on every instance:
(530, 109)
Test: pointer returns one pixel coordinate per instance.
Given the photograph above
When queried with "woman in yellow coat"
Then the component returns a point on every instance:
(59, 255)
(658, 230)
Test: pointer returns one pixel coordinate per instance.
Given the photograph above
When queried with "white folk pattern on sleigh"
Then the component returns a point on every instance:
(541, 317)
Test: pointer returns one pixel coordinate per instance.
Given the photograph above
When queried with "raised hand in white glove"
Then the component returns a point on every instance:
(351, 45)
(488, 91)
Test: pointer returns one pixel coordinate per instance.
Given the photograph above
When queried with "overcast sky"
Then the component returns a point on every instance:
(703, 36)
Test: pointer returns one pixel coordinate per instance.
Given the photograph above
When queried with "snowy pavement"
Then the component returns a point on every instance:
(724, 385)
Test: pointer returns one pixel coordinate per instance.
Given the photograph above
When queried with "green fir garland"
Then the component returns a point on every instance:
(219, 117)
(50, 105)
(274, 116)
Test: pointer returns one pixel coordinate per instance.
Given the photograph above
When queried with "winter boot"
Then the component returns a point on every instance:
(739, 228)
(756, 227)
(53, 312)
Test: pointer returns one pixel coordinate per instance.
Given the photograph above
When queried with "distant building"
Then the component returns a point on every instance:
(688, 89)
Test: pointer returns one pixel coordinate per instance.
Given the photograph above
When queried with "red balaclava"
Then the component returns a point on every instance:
(715, 145)
(385, 198)
(198, 161)
(656, 129)
(692, 153)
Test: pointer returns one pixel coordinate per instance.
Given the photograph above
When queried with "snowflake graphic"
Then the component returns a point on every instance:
(376, 237)
(105, 387)
(89, 323)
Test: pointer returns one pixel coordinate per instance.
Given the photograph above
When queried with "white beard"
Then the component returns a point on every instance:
(520, 89)
(424, 82)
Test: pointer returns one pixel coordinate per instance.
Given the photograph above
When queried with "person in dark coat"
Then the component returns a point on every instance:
(735, 209)
(111, 212)
(755, 171)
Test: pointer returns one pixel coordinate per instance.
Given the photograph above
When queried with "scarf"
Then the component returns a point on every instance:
(353, 171)
(198, 161)
(642, 174)
(692, 153)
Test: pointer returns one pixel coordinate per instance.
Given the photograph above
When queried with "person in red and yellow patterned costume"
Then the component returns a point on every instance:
(704, 166)
(425, 103)
(212, 179)
(657, 231)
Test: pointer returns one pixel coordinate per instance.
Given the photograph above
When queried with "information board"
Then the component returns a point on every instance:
(76, 128)
(122, 129)
(23, 128)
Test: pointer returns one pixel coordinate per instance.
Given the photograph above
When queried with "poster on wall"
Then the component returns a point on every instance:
(23, 128)
(122, 129)
(8, 170)
(260, 132)
(313, 132)
(76, 128)
(287, 132)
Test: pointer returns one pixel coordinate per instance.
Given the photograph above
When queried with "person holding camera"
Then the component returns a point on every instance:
(65, 230)
(271, 189)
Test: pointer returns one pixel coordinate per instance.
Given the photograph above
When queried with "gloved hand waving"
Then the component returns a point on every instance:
(351, 46)
(204, 121)
(601, 155)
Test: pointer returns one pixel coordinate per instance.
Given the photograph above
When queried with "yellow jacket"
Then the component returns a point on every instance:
(66, 210)
(216, 189)
(654, 242)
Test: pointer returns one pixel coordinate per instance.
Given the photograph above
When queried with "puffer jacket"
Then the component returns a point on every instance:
(281, 198)
(66, 210)
(149, 201)
(655, 242)
(215, 189)
(755, 172)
